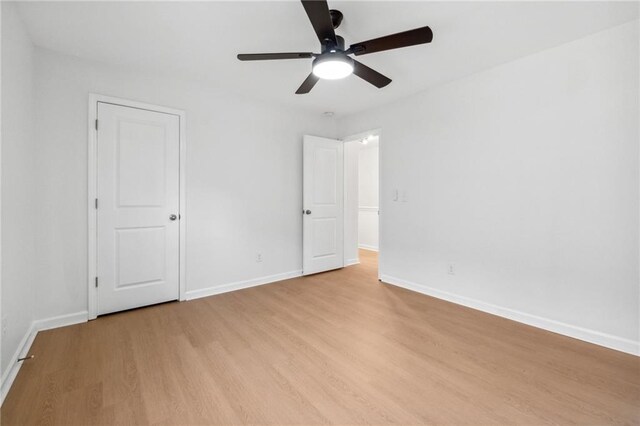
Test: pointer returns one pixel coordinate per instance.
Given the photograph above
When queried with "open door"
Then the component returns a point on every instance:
(323, 205)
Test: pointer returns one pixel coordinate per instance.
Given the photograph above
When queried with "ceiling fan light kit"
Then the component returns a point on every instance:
(332, 66)
(334, 62)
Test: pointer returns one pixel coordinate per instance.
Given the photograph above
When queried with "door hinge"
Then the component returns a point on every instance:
(96, 282)
(96, 203)
(96, 124)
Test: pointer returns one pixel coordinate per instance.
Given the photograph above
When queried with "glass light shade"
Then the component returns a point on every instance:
(332, 66)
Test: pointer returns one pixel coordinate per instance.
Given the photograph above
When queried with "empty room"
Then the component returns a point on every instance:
(320, 212)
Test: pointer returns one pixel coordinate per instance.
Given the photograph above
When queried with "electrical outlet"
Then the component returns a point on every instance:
(451, 270)
(259, 257)
(395, 195)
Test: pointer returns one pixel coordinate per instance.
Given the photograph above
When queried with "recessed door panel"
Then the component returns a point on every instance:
(140, 256)
(324, 237)
(324, 182)
(141, 164)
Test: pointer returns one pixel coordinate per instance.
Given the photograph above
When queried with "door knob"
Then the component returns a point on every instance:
(173, 217)
(307, 212)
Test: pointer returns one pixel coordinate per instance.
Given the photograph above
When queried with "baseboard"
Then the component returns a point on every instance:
(367, 247)
(61, 321)
(239, 285)
(14, 366)
(587, 335)
(350, 262)
(25, 345)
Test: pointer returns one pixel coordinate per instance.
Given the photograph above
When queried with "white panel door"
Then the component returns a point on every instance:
(138, 206)
(323, 205)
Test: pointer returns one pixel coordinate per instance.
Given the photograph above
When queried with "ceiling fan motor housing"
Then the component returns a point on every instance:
(331, 46)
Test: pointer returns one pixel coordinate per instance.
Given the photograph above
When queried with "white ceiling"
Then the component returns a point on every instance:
(200, 40)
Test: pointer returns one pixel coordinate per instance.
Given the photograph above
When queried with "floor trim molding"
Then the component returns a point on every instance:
(239, 285)
(587, 335)
(350, 262)
(61, 321)
(14, 366)
(367, 247)
(27, 340)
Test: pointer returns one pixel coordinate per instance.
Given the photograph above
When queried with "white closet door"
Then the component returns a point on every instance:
(138, 227)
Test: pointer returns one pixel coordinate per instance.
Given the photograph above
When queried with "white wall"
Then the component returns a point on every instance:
(244, 178)
(18, 185)
(525, 177)
(368, 195)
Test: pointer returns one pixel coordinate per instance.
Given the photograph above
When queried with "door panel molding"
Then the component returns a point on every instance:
(92, 179)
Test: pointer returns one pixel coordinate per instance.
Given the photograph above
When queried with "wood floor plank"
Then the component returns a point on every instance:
(332, 348)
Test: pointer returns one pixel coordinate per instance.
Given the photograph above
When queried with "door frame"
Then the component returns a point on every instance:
(92, 193)
(355, 137)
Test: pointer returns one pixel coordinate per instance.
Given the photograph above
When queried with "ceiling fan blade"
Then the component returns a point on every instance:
(318, 13)
(307, 84)
(270, 56)
(370, 75)
(394, 41)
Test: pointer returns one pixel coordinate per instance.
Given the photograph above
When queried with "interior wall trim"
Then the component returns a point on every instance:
(239, 285)
(11, 373)
(591, 336)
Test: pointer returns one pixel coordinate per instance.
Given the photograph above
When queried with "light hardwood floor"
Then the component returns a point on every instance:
(338, 347)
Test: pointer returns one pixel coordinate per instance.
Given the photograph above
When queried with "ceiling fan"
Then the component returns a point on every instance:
(334, 62)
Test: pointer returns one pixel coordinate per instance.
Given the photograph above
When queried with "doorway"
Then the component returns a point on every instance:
(368, 194)
(340, 210)
(362, 198)
(136, 205)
